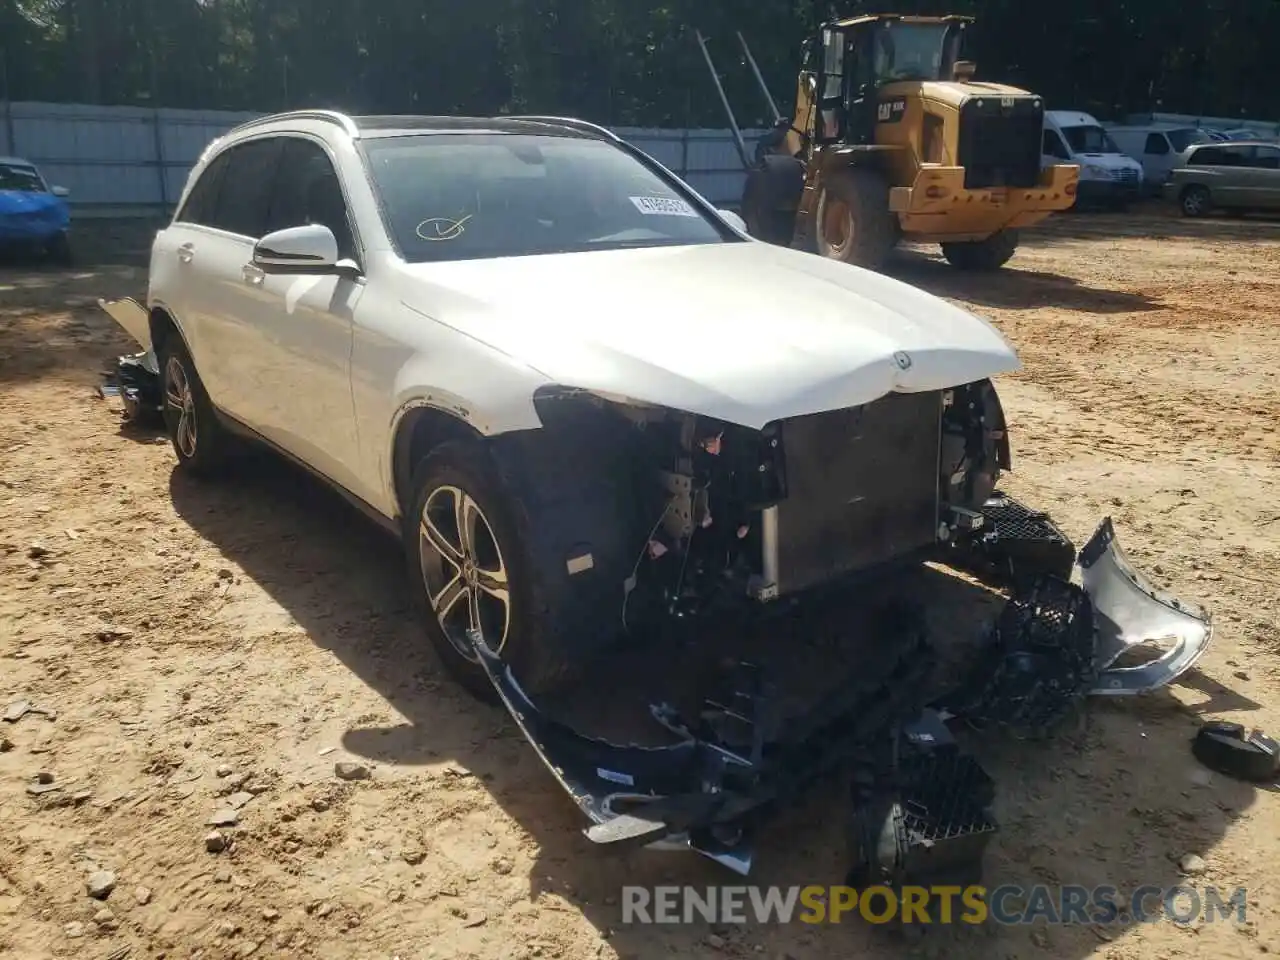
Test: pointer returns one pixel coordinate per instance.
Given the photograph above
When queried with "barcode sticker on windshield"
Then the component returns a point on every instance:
(663, 207)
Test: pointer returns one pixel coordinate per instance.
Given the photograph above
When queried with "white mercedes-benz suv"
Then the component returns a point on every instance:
(587, 401)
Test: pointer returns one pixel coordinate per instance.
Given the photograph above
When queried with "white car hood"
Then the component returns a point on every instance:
(747, 333)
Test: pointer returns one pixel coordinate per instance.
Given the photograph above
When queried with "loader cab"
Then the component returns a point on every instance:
(851, 60)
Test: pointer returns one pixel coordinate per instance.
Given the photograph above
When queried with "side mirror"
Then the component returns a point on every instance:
(61, 192)
(733, 220)
(309, 249)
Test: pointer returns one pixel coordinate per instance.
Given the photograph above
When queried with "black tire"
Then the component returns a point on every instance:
(58, 250)
(1195, 201)
(982, 255)
(853, 222)
(529, 645)
(771, 197)
(200, 442)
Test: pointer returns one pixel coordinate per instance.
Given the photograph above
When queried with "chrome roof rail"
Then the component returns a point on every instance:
(571, 122)
(332, 116)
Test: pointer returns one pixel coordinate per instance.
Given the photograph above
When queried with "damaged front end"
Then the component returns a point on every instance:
(807, 507)
(1054, 644)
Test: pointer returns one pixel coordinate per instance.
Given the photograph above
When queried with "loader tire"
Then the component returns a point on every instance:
(853, 221)
(982, 255)
(771, 198)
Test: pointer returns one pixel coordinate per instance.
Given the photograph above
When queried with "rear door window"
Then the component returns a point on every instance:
(1267, 158)
(244, 197)
(202, 202)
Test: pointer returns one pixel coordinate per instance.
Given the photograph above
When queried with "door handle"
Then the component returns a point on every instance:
(252, 274)
(186, 253)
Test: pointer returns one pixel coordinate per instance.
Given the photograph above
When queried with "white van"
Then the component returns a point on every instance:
(1158, 147)
(1107, 176)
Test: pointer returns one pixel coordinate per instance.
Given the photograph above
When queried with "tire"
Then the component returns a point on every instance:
(853, 222)
(771, 197)
(199, 440)
(519, 628)
(1195, 201)
(58, 250)
(982, 255)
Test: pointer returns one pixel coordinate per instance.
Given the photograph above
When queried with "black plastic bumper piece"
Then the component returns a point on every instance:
(930, 823)
(1018, 542)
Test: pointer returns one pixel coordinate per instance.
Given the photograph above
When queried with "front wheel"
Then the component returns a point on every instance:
(472, 575)
(982, 255)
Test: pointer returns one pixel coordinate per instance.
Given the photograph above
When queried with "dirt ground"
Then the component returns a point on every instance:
(196, 647)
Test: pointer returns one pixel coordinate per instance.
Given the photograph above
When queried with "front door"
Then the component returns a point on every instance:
(300, 327)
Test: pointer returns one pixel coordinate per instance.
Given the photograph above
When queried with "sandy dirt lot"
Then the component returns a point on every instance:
(195, 647)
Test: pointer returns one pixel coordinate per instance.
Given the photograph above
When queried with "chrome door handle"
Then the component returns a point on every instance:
(252, 274)
(186, 253)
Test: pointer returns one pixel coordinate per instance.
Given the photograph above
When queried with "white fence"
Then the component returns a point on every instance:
(122, 161)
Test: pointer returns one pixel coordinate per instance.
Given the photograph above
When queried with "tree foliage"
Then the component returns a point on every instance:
(629, 62)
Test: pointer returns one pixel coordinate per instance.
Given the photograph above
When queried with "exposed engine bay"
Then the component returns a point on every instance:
(718, 513)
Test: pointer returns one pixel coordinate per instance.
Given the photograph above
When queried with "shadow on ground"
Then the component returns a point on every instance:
(1070, 807)
(49, 315)
(1011, 287)
(1152, 222)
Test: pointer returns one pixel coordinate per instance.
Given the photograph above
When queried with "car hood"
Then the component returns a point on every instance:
(22, 201)
(747, 333)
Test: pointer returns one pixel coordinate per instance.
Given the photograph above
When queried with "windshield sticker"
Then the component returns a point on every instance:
(663, 207)
(442, 228)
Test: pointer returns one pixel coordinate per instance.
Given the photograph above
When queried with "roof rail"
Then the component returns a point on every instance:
(332, 116)
(571, 122)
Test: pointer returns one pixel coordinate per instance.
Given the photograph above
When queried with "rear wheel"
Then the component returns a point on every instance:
(770, 198)
(854, 223)
(981, 255)
(199, 440)
(472, 573)
(1195, 201)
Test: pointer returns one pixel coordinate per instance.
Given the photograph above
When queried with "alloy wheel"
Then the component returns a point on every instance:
(180, 398)
(464, 572)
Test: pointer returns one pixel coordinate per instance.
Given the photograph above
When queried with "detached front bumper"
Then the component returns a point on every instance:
(1055, 644)
(1130, 613)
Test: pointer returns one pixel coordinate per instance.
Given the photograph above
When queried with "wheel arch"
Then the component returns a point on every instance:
(421, 429)
(162, 325)
(1194, 185)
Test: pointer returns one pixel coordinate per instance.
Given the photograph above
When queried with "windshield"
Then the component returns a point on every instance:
(1181, 139)
(910, 51)
(14, 176)
(1090, 139)
(467, 196)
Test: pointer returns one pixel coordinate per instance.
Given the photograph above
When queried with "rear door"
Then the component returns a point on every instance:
(213, 253)
(1264, 178)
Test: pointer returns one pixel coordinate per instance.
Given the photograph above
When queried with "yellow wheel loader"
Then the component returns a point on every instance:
(892, 139)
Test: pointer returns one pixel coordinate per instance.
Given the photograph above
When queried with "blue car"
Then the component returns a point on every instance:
(33, 215)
